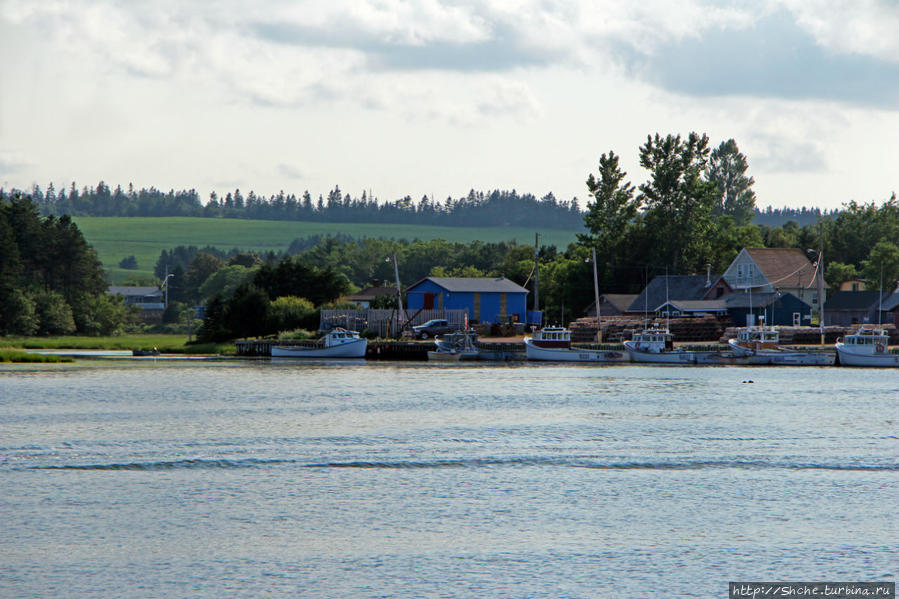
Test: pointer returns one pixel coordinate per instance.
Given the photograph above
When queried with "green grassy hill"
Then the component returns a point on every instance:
(144, 238)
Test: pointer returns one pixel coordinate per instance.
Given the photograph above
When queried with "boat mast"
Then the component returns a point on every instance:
(399, 296)
(667, 305)
(596, 297)
(536, 272)
(820, 274)
(646, 298)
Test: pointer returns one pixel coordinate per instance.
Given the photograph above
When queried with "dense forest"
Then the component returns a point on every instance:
(493, 208)
(51, 282)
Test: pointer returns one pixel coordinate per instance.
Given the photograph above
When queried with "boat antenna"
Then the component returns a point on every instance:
(667, 307)
(880, 295)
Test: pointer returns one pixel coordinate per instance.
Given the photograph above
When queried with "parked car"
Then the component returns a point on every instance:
(432, 328)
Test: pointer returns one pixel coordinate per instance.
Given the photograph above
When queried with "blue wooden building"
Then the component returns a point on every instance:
(777, 308)
(487, 300)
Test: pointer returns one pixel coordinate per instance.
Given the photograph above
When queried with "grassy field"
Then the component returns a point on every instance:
(144, 238)
(167, 344)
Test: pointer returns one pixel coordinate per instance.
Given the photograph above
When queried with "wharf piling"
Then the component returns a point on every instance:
(398, 350)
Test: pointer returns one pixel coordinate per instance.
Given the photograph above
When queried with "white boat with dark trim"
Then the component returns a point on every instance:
(461, 345)
(553, 344)
(759, 345)
(337, 343)
(655, 345)
(867, 347)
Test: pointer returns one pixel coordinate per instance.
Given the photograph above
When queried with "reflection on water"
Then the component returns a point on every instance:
(248, 478)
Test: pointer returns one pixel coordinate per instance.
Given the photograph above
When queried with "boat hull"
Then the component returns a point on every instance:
(781, 357)
(671, 357)
(571, 354)
(445, 356)
(353, 349)
(883, 360)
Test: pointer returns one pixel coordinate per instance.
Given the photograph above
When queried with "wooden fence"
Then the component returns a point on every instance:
(386, 322)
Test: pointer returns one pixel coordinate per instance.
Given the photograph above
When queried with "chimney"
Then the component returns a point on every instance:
(708, 276)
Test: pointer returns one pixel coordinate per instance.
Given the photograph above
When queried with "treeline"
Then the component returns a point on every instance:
(494, 208)
(51, 282)
(775, 217)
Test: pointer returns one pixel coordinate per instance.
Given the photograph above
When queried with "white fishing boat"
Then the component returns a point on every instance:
(461, 345)
(868, 346)
(338, 343)
(760, 345)
(553, 344)
(655, 345)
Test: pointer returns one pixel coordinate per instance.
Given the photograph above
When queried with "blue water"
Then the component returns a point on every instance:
(254, 479)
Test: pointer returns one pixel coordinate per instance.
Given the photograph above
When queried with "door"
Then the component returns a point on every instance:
(429, 301)
(502, 306)
(477, 307)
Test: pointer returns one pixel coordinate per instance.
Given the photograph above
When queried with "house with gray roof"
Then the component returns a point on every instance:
(364, 297)
(146, 298)
(692, 308)
(678, 287)
(890, 309)
(846, 308)
(780, 308)
(611, 304)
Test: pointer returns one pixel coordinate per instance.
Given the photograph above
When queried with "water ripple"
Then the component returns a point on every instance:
(485, 462)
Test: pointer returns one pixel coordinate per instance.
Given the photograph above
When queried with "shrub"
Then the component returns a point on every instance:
(129, 263)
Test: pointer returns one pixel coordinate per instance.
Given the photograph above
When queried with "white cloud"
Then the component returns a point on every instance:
(864, 27)
(511, 93)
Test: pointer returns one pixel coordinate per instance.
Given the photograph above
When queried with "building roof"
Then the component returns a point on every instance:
(370, 293)
(784, 267)
(715, 305)
(891, 302)
(474, 284)
(854, 300)
(756, 300)
(132, 291)
(679, 287)
(621, 301)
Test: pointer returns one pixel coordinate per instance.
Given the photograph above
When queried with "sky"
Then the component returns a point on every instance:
(435, 98)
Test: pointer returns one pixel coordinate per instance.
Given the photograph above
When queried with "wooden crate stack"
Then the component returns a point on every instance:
(616, 329)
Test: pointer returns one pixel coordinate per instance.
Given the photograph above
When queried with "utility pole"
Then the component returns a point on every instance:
(596, 297)
(399, 297)
(536, 272)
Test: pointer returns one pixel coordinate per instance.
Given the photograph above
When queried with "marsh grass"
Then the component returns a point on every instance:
(167, 344)
(19, 357)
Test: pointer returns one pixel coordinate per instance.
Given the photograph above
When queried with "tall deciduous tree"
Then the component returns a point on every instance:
(882, 265)
(678, 200)
(727, 169)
